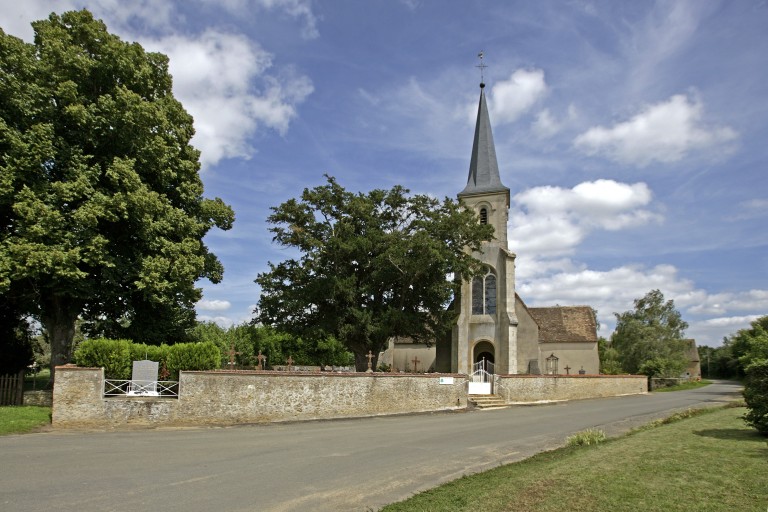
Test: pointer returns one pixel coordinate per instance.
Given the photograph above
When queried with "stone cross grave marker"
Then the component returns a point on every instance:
(232, 355)
(144, 378)
(261, 358)
(289, 362)
(415, 362)
(370, 358)
(567, 370)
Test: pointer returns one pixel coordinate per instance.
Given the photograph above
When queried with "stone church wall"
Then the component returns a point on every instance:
(527, 341)
(227, 398)
(582, 354)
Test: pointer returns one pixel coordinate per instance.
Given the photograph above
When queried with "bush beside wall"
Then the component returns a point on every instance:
(117, 356)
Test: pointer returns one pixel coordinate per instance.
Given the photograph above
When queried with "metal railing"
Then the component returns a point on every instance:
(483, 369)
(481, 380)
(141, 388)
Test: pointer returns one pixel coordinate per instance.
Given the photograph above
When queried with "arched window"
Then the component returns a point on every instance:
(484, 294)
(483, 216)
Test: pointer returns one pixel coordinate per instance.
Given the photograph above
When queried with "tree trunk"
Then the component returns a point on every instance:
(59, 315)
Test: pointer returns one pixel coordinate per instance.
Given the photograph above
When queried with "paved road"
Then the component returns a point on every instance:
(338, 465)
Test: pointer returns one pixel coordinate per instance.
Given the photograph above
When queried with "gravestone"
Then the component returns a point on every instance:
(144, 378)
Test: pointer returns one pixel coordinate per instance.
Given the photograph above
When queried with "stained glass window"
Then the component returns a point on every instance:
(484, 294)
(477, 296)
(490, 294)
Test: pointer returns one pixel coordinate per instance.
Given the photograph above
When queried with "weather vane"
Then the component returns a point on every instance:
(482, 67)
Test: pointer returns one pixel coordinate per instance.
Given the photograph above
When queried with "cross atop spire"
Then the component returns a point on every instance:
(482, 67)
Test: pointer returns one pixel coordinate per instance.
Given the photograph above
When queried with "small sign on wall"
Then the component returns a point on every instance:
(446, 380)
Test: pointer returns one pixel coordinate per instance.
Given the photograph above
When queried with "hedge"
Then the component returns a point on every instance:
(117, 356)
(756, 396)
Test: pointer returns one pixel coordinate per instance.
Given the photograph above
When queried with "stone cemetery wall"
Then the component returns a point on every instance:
(543, 388)
(226, 398)
(40, 398)
(659, 382)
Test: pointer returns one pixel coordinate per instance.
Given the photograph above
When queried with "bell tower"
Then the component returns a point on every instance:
(487, 325)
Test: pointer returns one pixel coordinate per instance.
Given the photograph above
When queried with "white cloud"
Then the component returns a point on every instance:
(732, 321)
(656, 42)
(512, 98)
(723, 303)
(665, 132)
(213, 305)
(214, 76)
(221, 321)
(553, 220)
(751, 209)
(545, 125)
(298, 9)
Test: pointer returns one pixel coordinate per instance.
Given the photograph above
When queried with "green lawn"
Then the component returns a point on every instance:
(20, 419)
(709, 462)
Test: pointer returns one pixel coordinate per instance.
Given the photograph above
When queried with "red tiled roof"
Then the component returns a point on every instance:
(561, 324)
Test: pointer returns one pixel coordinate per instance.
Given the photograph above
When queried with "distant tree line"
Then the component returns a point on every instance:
(739, 350)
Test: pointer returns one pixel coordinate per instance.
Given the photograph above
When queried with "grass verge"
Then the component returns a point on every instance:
(20, 419)
(695, 462)
(686, 385)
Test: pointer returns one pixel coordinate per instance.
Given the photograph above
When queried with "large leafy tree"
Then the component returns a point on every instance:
(372, 266)
(102, 211)
(649, 339)
(749, 345)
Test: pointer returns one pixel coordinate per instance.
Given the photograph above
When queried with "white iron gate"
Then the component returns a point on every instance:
(481, 380)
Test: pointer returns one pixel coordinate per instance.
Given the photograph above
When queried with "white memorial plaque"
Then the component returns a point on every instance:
(144, 378)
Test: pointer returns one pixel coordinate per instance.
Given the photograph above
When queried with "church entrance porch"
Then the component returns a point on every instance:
(481, 378)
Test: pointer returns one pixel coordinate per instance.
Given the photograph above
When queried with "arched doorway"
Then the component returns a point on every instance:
(484, 352)
(481, 379)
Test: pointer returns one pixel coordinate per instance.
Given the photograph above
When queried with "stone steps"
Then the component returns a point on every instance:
(488, 401)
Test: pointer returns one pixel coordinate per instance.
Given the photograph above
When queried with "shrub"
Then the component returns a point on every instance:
(586, 437)
(112, 355)
(192, 356)
(117, 356)
(756, 395)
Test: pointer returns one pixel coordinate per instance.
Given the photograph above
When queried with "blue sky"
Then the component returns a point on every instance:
(633, 135)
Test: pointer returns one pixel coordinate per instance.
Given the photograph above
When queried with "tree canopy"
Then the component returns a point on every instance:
(102, 211)
(372, 266)
(649, 339)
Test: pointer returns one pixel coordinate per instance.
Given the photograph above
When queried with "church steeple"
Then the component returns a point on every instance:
(483, 167)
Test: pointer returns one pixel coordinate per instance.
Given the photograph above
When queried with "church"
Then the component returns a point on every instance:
(495, 330)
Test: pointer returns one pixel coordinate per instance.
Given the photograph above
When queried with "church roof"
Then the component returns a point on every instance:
(483, 167)
(565, 324)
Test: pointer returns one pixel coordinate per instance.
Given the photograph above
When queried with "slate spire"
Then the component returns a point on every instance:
(483, 167)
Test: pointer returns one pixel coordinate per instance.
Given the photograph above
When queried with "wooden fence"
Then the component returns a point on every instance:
(12, 389)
